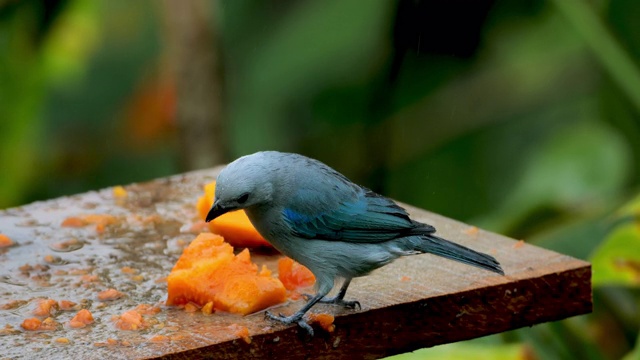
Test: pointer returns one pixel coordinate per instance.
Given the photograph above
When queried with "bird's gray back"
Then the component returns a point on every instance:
(317, 202)
(292, 173)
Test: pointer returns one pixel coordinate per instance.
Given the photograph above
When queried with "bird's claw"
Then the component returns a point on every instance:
(336, 301)
(281, 318)
(293, 319)
(346, 303)
(351, 304)
(305, 325)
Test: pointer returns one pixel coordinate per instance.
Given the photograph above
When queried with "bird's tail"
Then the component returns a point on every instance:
(438, 246)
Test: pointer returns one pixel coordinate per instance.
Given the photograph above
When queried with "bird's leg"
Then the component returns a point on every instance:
(298, 316)
(339, 298)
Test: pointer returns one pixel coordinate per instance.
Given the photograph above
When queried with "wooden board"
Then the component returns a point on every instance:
(415, 302)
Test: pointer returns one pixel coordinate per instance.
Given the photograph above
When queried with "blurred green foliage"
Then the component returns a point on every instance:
(617, 258)
(471, 350)
(522, 117)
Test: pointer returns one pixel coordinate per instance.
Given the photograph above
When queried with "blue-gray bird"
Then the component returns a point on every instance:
(316, 216)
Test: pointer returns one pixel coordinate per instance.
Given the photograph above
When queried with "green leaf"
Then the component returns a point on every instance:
(465, 350)
(581, 168)
(632, 208)
(617, 260)
(635, 353)
(579, 164)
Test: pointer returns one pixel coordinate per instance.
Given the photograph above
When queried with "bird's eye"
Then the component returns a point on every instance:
(243, 199)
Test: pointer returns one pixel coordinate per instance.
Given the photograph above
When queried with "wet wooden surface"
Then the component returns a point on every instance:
(415, 302)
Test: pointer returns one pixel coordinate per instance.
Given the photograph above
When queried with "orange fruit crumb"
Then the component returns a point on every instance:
(159, 339)
(190, 307)
(128, 270)
(241, 332)
(79, 271)
(518, 244)
(67, 245)
(207, 309)
(324, 320)
(147, 309)
(130, 320)
(73, 221)
(405, 279)
(5, 241)
(82, 319)
(119, 192)
(182, 242)
(48, 324)
(89, 278)
(472, 231)
(31, 324)
(45, 307)
(62, 340)
(99, 220)
(100, 228)
(13, 304)
(40, 267)
(66, 305)
(105, 219)
(109, 294)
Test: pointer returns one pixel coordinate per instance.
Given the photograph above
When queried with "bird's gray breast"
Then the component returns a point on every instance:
(271, 225)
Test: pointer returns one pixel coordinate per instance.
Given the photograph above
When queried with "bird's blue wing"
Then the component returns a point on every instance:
(356, 216)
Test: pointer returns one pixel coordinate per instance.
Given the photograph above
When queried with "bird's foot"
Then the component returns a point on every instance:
(296, 318)
(336, 301)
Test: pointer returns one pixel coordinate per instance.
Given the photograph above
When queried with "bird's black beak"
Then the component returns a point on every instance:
(217, 210)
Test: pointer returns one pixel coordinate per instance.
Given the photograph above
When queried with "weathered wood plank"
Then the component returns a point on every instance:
(415, 302)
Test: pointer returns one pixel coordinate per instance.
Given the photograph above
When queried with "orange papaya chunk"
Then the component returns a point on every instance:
(208, 271)
(294, 275)
(235, 226)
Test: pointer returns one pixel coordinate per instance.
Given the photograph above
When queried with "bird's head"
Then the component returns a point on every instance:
(242, 184)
